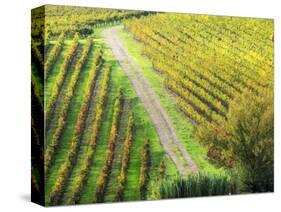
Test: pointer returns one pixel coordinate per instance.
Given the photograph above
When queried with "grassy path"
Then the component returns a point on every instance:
(143, 129)
(157, 113)
(182, 126)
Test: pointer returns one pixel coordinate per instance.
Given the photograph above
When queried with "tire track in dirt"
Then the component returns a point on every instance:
(157, 114)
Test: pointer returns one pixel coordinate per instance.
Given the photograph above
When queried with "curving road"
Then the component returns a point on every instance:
(157, 114)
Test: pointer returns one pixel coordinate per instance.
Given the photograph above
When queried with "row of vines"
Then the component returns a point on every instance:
(73, 63)
(205, 62)
(66, 167)
(51, 147)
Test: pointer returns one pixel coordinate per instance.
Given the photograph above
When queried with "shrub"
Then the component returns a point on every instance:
(245, 139)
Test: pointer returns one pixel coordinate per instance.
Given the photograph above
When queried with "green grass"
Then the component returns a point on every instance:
(143, 129)
(49, 83)
(86, 133)
(183, 127)
(67, 134)
(122, 128)
(143, 126)
(48, 89)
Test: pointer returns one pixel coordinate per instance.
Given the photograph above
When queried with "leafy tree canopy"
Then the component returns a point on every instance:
(245, 139)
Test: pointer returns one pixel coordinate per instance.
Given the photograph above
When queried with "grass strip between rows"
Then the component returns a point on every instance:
(83, 172)
(51, 148)
(106, 169)
(65, 169)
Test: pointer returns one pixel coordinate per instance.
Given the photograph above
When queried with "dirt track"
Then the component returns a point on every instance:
(157, 114)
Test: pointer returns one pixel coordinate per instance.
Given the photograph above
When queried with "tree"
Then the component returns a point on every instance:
(245, 138)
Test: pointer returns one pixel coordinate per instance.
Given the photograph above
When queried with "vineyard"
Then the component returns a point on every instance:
(117, 94)
(206, 63)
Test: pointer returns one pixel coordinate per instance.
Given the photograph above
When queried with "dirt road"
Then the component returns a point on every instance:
(160, 119)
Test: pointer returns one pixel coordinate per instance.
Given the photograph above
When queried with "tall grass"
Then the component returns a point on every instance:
(199, 184)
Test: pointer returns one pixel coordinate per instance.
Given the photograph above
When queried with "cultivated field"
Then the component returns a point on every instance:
(130, 105)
